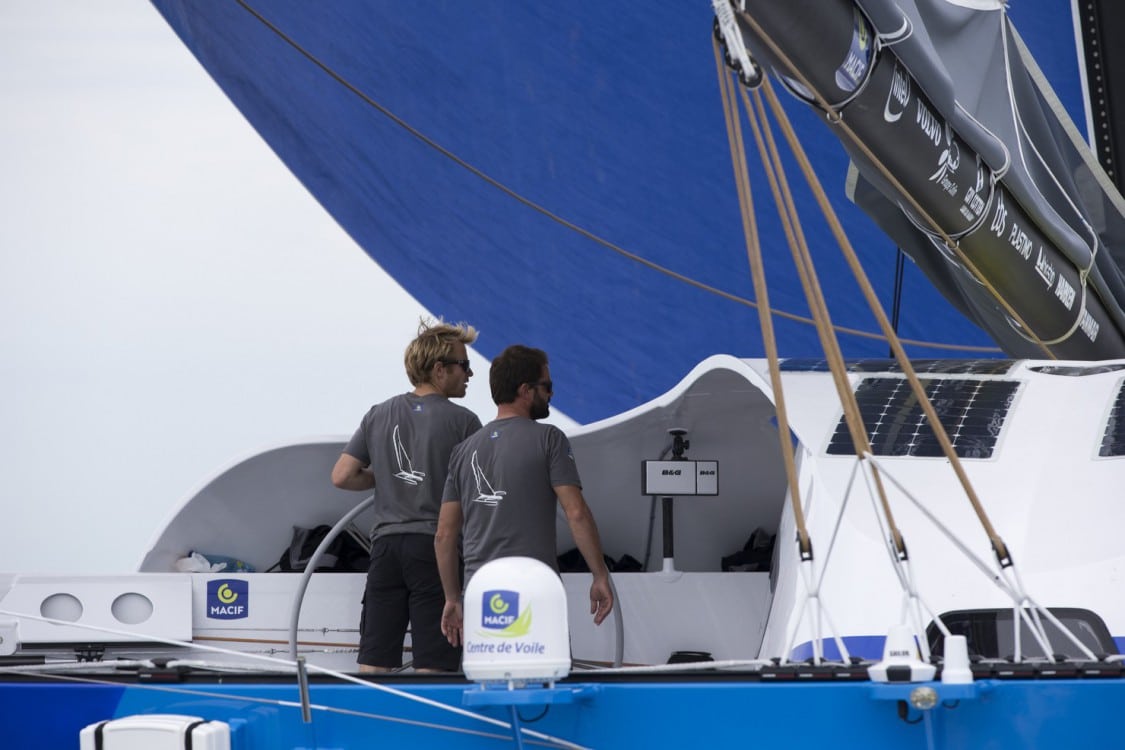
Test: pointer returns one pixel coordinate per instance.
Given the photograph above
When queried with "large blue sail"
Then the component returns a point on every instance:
(559, 175)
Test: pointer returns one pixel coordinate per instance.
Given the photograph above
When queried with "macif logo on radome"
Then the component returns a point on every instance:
(499, 608)
(228, 599)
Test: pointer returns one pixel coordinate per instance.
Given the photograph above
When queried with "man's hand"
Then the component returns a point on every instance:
(585, 532)
(452, 623)
(601, 599)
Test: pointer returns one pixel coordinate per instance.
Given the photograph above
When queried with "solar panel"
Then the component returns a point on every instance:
(1113, 441)
(1076, 371)
(931, 366)
(972, 411)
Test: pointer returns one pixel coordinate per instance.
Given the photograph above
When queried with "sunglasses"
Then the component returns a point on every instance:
(546, 384)
(463, 362)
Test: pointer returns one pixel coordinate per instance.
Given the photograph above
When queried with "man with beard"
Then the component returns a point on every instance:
(503, 483)
(401, 450)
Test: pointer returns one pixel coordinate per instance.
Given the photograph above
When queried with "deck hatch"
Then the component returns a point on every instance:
(991, 636)
(973, 413)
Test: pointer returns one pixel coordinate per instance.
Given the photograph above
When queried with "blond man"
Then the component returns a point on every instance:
(401, 450)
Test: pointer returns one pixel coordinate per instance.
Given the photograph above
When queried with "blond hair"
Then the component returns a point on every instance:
(434, 342)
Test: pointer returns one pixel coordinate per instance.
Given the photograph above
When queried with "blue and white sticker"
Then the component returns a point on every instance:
(499, 608)
(228, 599)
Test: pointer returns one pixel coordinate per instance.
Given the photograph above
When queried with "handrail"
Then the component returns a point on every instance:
(298, 600)
(618, 627)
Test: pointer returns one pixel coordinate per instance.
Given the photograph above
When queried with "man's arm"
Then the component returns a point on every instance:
(350, 474)
(585, 533)
(445, 550)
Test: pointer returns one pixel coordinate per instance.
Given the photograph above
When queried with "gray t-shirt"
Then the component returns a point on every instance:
(407, 441)
(504, 477)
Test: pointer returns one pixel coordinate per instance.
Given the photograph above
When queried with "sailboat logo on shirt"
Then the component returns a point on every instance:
(485, 493)
(406, 470)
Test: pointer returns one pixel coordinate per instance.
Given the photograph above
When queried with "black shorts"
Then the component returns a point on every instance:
(403, 586)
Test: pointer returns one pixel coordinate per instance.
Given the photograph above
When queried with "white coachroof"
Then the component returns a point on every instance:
(1045, 486)
(248, 510)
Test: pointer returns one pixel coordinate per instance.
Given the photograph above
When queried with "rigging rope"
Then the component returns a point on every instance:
(1025, 608)
(876, 308)
(810, 597)
(854, 422)
(802, 258)
(754, 252)
(544, 211)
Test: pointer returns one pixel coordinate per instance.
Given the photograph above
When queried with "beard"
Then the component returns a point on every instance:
(540, 408)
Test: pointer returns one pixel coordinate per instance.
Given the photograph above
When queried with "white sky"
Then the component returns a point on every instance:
(171, 298)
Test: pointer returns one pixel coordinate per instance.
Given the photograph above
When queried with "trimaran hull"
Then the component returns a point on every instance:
(1029, 264)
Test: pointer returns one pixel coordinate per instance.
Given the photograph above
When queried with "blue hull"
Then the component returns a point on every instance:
(987, 714)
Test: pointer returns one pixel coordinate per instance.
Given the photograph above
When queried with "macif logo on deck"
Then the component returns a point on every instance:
(228, 599)
(499, 608)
